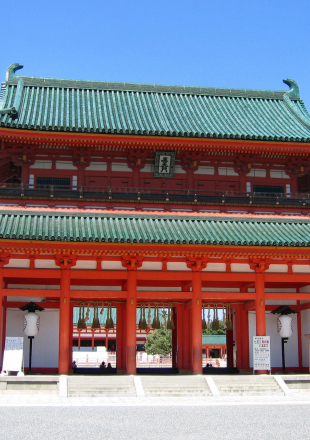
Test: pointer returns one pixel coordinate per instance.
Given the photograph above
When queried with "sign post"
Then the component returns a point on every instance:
(13, 355)
(261, 353)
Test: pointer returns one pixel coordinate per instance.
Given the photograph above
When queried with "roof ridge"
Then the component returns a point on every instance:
(149, 88)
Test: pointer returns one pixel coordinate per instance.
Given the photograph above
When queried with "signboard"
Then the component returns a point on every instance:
(13, 354)
(164, 164)
(261, 353)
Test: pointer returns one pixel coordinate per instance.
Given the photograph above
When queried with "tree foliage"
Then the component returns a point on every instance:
(159, 342)
(210, 331)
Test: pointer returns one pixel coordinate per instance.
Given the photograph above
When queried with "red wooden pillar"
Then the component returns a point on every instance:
(239, 341)
(1, 319)
(121, 339)
(260, 304)
(244, 324)
(187, 345)
(175, 338)
(4, 316)
(299, 335)
(180, 341)
(64, 323)
(196, 323)
(131, 320)
(230, 348)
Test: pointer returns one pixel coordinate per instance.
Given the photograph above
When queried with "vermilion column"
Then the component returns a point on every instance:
(180, 341)
(260, 304)
(244, 324)
(1, 320)
(175, 315)
(196, 323)
(121, 338)
(131, 320)
(64, 323)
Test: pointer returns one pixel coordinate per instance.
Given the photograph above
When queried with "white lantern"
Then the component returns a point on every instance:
(285, 326)
(31, 324)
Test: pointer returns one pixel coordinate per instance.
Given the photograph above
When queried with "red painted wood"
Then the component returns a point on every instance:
(131, 307)
(196, 312)
(64, 323)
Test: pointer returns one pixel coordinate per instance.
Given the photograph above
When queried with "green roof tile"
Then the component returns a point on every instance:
(148, 109)
(154, 228)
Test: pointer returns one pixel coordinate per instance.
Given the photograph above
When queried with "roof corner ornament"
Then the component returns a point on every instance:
(10, 72)
(294, 89)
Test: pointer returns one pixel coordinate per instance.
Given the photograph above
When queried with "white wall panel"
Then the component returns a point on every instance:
(229, 171)
(235, 267)
(96, 166)
(177, 266)
(85, 264)
(42, 165)
(112, 265)
(277, 268)
(151, 265)
(256, 173)
(123, 167)
(215, 267)
(65, 165)
(301, 268)
(45, 264)
(21, 263)
(205, 170)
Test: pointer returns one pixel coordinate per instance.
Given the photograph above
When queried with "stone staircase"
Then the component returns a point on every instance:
(175, 386)
(247, 385)
(101, 386)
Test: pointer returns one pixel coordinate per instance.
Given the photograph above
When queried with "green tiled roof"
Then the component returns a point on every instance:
(213, 339)
(147, 109)
(153, 228)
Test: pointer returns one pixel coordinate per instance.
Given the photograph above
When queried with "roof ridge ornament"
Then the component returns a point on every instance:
(10, 72)
(294, 89)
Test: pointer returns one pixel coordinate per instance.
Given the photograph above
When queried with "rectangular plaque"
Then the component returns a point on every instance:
(164, 164)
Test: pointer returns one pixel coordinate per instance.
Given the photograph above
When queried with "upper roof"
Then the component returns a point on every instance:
(147, 109)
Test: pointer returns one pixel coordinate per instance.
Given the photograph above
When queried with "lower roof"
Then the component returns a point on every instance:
(114, 227)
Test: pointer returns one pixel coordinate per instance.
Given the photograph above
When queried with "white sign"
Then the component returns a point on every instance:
(261, 353)
(13, 354)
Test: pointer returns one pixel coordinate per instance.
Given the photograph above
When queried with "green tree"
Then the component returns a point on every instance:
(159, 342)
(209, 330)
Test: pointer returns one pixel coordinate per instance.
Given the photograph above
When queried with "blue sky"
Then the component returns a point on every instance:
(233, 44)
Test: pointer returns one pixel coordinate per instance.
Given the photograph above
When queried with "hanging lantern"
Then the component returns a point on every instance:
(156, 322)
(170, 323)
(142, 322)
(285, 326)
(204, 323)
(229, 324)
(215, 323)
(96, 323)
(109, 322)
(81, 325)
(31, 324)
